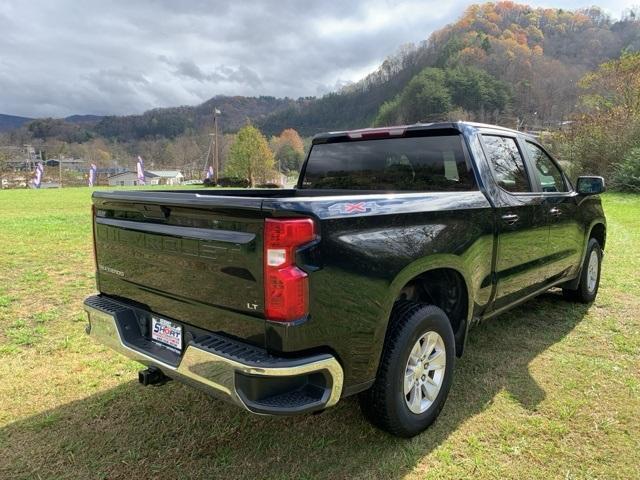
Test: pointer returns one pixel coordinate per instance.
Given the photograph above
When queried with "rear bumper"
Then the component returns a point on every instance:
(222, 367)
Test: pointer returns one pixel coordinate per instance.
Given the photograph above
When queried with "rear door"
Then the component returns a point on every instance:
(521, 221)
(566, 235)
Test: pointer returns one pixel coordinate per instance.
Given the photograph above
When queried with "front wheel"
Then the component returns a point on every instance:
(589, 276)
(415, 372)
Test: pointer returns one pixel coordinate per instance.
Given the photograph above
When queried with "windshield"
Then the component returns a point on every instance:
(433, 163)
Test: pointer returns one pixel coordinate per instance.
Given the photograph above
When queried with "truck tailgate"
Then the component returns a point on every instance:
(194, 259)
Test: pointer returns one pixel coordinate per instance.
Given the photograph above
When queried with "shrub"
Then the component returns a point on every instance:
(626, 174)
(233, 182)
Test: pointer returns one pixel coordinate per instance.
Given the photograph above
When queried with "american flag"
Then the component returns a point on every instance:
(37, 181)
(140, 167)
(93, 170)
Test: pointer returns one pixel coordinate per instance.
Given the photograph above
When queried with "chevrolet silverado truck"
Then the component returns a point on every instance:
(364, 279)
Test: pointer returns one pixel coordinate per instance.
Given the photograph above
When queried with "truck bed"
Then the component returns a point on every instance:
(197, 255)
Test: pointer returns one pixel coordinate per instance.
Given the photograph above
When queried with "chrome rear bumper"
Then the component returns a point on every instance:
(223, 367)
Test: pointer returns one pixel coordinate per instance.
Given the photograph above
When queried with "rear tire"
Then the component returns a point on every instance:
(415, 371)
(589, 276)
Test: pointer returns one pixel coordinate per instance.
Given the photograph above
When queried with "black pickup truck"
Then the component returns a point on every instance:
(364, 279)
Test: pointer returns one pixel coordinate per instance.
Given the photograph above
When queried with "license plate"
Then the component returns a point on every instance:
(166, 333)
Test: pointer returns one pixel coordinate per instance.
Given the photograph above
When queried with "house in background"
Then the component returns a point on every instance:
(68, 163)
(152, 177)
(127, 179)
(167, 177)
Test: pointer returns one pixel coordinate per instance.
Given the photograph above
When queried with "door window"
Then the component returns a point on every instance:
(549, 175)
(506, 162)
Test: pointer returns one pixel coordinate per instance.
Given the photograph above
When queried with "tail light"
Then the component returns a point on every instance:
(93, 228)
(286, 287)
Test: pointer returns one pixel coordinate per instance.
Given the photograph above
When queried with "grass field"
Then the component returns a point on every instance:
(549, 390)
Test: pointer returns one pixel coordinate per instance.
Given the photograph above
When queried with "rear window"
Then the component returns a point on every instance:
(434, 163)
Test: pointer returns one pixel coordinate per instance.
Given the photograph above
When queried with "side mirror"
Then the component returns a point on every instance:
(590, 185)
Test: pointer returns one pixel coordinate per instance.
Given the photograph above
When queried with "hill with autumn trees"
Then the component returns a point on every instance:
(500, 62)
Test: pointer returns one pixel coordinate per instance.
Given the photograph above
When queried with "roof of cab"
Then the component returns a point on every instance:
(402, 130)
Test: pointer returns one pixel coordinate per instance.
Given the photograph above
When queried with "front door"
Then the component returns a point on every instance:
(521, 222)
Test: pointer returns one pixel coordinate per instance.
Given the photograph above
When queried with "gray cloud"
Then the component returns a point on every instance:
(241, 75)
(65, 57)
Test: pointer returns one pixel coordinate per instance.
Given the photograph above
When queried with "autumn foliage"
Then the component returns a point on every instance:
(288, 149)
(604, 138)
(539, 54)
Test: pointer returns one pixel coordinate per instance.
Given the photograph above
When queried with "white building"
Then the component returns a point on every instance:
(166, 177)
(152, 177)
(125, 179)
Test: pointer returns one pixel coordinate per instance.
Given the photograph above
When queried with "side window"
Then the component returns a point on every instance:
(551, 179)
(506, 163)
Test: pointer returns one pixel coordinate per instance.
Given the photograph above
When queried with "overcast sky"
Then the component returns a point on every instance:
(116, 57)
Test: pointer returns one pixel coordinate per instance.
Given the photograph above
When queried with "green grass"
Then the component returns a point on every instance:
(549, 390)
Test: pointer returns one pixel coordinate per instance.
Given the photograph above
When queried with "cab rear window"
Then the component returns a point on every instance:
(433, 163)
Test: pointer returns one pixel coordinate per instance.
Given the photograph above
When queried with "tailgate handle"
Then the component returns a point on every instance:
(156, 212)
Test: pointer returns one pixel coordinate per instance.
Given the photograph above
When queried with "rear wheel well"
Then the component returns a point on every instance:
(599, 233)
(445, 288)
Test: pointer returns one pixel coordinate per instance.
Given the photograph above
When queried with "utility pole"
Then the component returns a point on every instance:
(216, 161)
(213, 149)
(30, 162)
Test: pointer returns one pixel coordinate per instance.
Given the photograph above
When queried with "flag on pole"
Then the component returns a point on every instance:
(140, 168)
(37, 181)
(93, 170)
(210, 172)
(217, 112)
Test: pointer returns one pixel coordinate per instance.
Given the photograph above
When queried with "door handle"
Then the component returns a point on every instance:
(510, 218)
(555, 211)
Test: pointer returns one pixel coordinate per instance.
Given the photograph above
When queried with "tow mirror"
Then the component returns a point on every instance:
(590, 185)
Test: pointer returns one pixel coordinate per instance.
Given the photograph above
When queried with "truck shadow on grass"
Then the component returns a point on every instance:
(176, 432)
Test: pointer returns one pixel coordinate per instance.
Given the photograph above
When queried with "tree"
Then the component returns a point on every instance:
(250, 157)
(289, 150)
(424, 98)
(435, 92)
(626, 174)
(289, 136)
(185, 154)
(98, 152)
(604, 139)
(615, 86)
(289, 159)
(475, 90)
